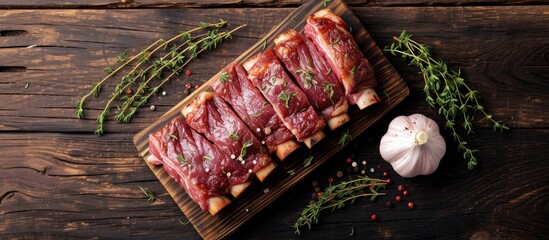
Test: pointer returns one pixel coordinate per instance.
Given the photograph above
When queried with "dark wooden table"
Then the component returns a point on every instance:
(59, 180)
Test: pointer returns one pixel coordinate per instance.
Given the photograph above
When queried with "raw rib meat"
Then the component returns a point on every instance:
(311, 72)
(329, 34)
(289, 102)
(248, 103)
(198, 166)
(211, 116)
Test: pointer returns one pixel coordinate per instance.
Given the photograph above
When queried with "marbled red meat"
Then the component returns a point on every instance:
(329, 34)
(313, 75)
(289, 102)
(194, 163)
(252, 108)
(210, 115)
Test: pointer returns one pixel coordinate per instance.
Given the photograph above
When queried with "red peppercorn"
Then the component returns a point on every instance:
(400, 188)
(410, 205)
(188, 86)
(385, 174)
(349, 160)
(372, 186)
(129, 91)
(319, 193)
(389, 180)
(330, 180)
(378, 165)
(188, 73)
(374, 217)
(196, 86)
(405, 193)
(398, 198)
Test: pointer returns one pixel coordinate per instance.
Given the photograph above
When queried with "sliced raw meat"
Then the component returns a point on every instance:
(211, 116)
(329, 34)
(289, 102)
(252, 108)
(194, 163)
(312, 74)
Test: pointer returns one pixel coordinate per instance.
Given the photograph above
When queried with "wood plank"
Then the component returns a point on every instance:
(17, 4)
(507, 63)
(89, 188)
(260, 196)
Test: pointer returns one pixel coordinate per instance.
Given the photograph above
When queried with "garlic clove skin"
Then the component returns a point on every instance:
(413, 145)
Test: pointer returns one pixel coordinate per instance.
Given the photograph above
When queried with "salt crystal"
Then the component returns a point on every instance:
(163, 93)
(371, 169)
(266, 190)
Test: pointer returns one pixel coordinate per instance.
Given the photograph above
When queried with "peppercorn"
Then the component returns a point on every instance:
(129, 91)
(354, 164)
(400, 188)
(398, 198)
(311, 202)
(188, 86)
(188, 72)
(389, 180)
(314, 183)
(374, 217)
(339, 174)
(355, 169)
(330, 180)
(349, 160)
(389, 204)
(314, 196)
(196, 86)
(405, 193)
(410, 205)
(385, 174)
(363, 172)
(319, 193)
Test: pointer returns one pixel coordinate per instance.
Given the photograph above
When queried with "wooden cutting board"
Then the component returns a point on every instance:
(391, 88)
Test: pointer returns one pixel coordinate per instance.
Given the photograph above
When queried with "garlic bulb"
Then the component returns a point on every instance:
(413, 145)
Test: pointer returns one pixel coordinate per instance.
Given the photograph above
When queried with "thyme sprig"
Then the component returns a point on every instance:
(150, 195)
(446, 91)
(344, 138)
(336, 196)
(179, 50)
(244, 149)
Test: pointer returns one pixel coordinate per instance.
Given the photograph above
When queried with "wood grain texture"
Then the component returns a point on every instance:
(77, 186)
(89, 188)
(37, 4)
(508, 64)
(257, 197)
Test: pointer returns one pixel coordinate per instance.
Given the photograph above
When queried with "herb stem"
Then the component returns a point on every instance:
(335, 197)
(174, 59)
(445, 90)
(130, 101)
